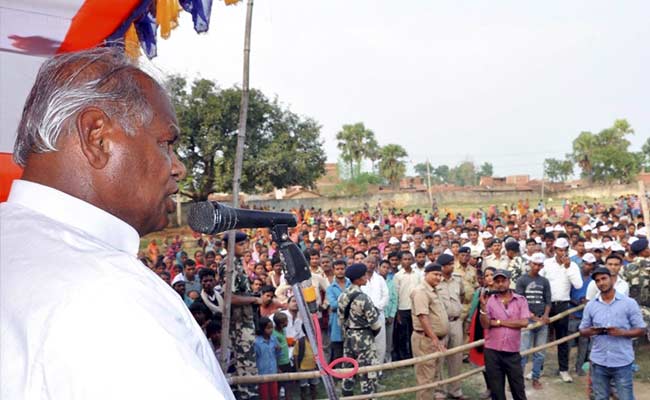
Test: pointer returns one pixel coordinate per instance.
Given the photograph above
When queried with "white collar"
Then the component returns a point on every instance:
(77, 213)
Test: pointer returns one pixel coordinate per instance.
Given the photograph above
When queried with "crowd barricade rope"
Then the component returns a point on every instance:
(409, 362)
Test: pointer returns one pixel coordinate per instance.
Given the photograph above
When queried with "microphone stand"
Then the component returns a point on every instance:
(298, 275)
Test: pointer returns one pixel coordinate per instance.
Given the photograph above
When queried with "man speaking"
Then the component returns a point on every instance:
(80, 316)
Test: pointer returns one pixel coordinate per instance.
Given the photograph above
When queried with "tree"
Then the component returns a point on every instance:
(604, 157)
(356, 143)
(464, 174)
(392, 165)
(645, 155)
(442, 174)
(558, 170)
(424, 169)
(486, 170)
(282, 149)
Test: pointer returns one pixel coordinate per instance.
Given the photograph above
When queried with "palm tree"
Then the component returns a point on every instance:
(354, 141)
(391, 163)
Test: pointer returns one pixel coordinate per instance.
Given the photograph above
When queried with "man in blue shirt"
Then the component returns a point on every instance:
(338, 286)
(611, 320)
(579, 296)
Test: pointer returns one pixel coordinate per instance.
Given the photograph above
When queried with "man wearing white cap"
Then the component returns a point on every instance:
(562, 274)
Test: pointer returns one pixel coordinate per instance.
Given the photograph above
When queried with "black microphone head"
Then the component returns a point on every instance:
(201, 217)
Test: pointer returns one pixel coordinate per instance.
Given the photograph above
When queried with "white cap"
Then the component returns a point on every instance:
(617, 247)
(607, 245)
(589, 245)
(393, 240)
(548, 229)
(448, 251)
(643, 231)
(178, 278)
(594, 231)
(486, 235)
(589, 258)
(464, 235)
(632, 239)
(559, 228)
(604, 228)
(561, 243)
(537, 258)
(586, 227)
(538, 240)
(598, 245)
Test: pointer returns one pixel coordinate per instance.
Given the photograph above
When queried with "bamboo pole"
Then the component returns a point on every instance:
(387, 366)
(239, 158)
(457, 377)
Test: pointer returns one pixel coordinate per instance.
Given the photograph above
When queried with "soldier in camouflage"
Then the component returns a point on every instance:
(359, 320)
(242, 325)
(516, 264)
(637, 275)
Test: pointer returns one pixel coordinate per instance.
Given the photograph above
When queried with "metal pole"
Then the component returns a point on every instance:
(239, 157)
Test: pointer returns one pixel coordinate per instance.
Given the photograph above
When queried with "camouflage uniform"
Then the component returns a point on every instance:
(517, 267)
(637, 275)
(242, 330)
(359, 342)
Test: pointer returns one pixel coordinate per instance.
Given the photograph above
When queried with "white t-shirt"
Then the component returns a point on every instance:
(620, 286)
(82, 317)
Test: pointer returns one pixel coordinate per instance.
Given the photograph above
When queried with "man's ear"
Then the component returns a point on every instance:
(94, 129)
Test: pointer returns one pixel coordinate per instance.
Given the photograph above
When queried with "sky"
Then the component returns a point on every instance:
(507, 82)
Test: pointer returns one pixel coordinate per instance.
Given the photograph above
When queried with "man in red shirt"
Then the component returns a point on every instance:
(503, 315)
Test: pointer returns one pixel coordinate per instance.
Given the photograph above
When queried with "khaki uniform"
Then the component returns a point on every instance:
(425, 301)
(451, 291)
(467, 276)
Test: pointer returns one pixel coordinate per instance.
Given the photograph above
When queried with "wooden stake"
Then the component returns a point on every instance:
(239, 159)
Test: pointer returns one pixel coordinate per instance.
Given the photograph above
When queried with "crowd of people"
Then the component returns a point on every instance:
(395, 284)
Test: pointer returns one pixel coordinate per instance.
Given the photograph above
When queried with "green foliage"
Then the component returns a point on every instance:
(558, 170)
(486, 170)
(645, 155)
(358, 185)
(356, 144)
(282, 149)
(421, 169)
(464, 174)
(604, 157)
(392, 165)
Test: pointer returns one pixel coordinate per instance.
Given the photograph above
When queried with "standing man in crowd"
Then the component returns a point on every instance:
(377, 290)
(242, 318)
(340, 284)
(359, 320)
(467, 275)
(502, 316)
(430, 326)
(406, 279)
(612, 320)
(96, 144)
(537, 291)
(451, 292)
(562, 274)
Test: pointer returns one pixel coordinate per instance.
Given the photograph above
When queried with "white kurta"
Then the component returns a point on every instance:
(82, 318)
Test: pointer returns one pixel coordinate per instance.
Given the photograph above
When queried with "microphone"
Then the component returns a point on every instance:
(211, 217)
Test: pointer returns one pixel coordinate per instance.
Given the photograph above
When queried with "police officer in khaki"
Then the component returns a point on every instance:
(451, 291)
(430, 325)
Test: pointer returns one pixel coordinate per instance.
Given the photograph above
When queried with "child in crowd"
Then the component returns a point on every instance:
(267, 351)
(304, 361)
(284, 363)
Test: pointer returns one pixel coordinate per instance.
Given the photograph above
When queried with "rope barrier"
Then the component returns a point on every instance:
(454, 378)
(254, 379)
